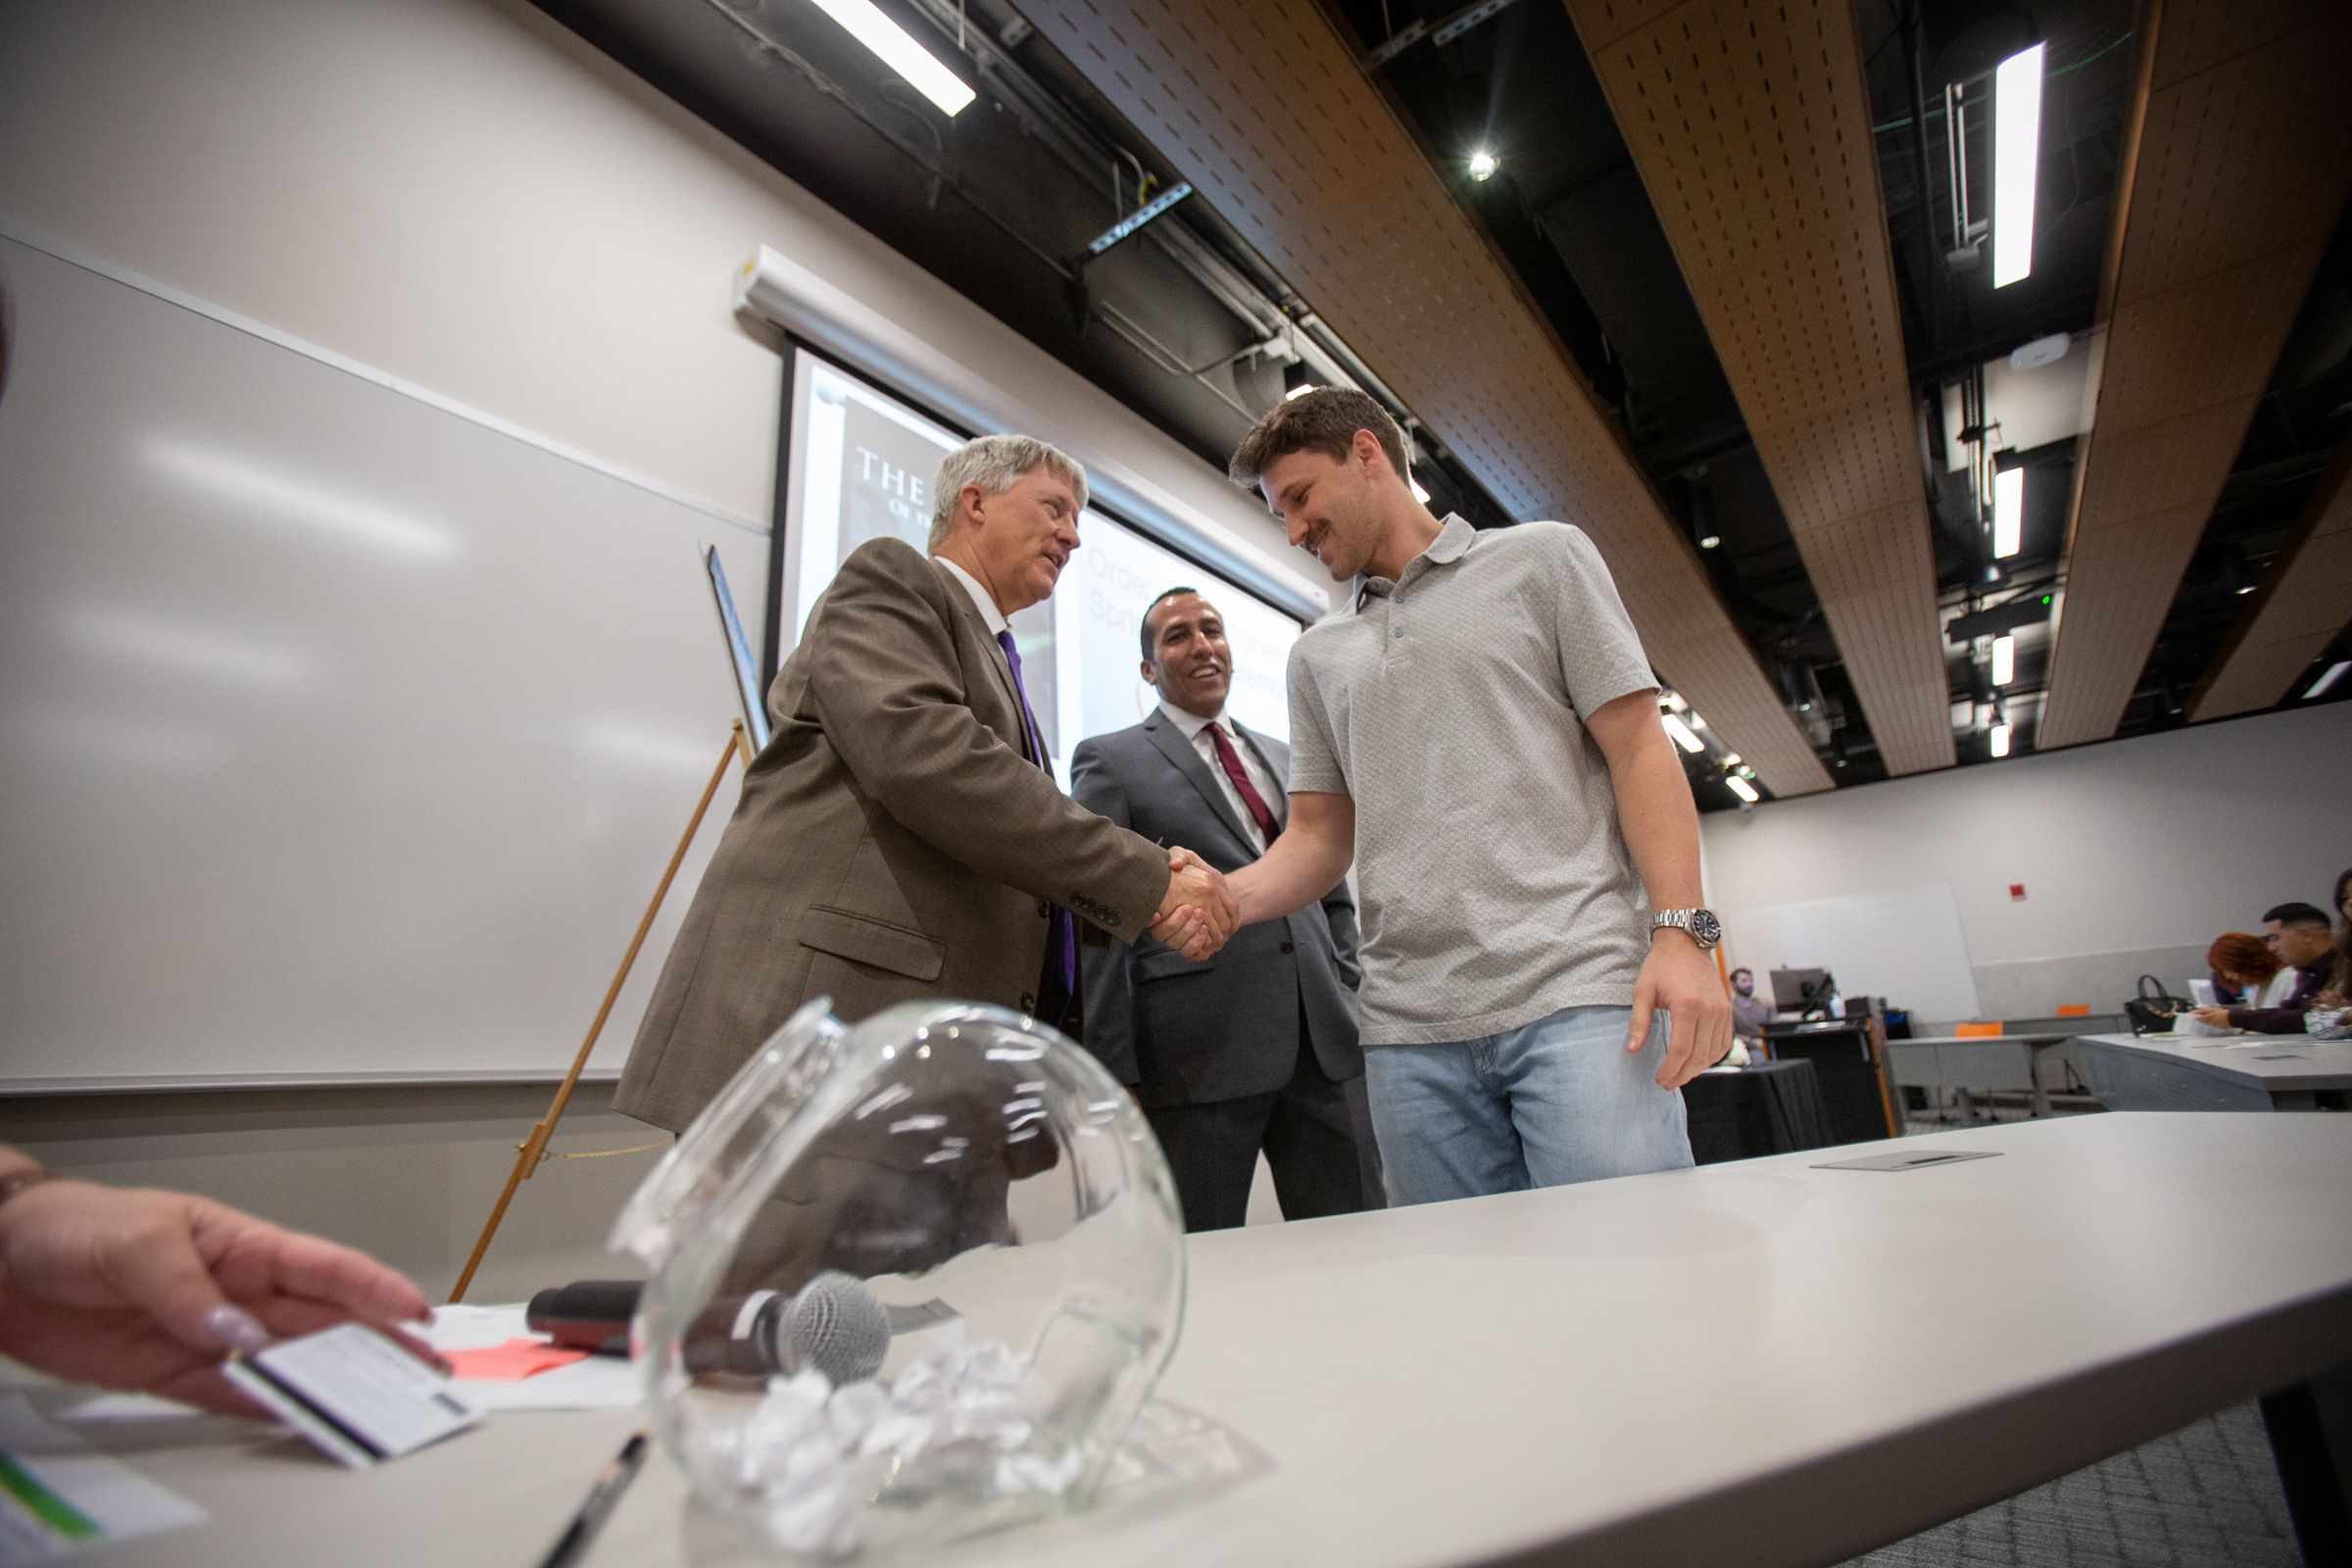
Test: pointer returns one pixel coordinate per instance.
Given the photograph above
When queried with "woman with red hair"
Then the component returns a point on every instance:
(2243, 965)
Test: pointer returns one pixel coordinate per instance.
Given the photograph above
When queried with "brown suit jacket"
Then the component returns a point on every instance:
(894, 841)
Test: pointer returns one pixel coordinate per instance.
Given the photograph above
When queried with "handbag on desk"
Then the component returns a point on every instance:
(2154, 1008)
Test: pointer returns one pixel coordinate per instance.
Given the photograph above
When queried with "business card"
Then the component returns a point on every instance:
(358, 1397)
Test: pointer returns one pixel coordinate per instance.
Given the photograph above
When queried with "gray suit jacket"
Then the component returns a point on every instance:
(892, 841)
(1190, 1033)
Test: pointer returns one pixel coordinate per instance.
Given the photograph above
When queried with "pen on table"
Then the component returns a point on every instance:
(600, 1498)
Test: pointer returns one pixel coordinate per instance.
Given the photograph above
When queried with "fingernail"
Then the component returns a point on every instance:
(237, 1328)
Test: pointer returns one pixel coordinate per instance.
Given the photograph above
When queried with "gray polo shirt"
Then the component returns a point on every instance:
(1493, 883)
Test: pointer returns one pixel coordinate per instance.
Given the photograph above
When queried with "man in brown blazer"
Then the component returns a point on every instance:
(901, 834)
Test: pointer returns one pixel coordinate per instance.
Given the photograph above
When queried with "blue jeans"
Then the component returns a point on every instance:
(1553, 1102)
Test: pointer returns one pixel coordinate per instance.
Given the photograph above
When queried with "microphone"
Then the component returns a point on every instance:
(834, 1324)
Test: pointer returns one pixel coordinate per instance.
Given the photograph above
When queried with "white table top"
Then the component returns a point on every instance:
(1762, 1360)
(2268, 1062)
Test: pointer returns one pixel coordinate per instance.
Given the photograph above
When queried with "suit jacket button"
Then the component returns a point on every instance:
(1286, 946)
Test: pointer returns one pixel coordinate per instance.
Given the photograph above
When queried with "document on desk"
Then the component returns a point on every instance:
(59, 1498)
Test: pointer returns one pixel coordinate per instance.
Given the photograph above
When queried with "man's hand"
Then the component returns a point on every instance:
(2219, 1017)
(1197, 914)
(1679, 978)
(149, 1290)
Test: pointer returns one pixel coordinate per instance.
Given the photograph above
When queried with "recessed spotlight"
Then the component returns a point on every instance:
(1483, 165)
(1710, 541)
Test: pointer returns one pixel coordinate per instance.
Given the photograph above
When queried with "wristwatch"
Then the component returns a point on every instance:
(1700, 925)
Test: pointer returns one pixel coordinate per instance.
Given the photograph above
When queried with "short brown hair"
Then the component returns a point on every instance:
(2244, 955)
(1323, 420)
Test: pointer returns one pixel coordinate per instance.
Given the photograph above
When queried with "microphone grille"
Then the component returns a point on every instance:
(838, 1326)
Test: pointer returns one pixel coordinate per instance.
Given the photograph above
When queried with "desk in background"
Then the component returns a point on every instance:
(2247, 1072)
(1769, 1107)
(1712, 1365)
(1849, 1059)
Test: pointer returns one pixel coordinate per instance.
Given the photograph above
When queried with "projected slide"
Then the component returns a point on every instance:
(861, 467)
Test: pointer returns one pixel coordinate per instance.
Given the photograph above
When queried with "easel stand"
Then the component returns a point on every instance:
(534, 1148)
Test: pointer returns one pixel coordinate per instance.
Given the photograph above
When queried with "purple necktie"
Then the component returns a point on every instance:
(1061, 931)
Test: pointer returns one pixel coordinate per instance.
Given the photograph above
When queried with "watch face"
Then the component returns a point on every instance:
(1705, 927)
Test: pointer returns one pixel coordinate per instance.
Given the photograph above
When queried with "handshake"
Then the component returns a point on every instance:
(1197, 914)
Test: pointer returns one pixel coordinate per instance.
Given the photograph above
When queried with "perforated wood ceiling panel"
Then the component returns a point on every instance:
(1261, 105)
(2237, 173)
(1749, 120)
(2303, 604)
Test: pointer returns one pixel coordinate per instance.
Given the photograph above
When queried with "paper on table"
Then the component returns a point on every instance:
(594, 1382)
(509, 1362)
(58, 1498)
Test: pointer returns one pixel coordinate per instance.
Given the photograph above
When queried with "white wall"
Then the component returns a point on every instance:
(2134, 854)
(463, 196)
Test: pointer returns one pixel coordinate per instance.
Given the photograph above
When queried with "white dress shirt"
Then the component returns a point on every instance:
(988, 613)
(1196, 730)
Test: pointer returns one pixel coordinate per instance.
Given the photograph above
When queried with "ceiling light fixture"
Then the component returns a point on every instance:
(2000, 740)
(1483, 165)
(1742, 788)
(2322, 686)
(2004, 661)
(1420, 491)
(2008, 512)
(1682, 734)
(1297, 380)
(2016, 150)
(1673, 700)
(897, 49)
(1710, 541)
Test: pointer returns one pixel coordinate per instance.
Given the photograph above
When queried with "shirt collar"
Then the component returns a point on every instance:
(1192, 723)
(988, 613)
(1450, 546)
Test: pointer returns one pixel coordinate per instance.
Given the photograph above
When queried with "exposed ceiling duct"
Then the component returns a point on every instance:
(1265, 109)
(2238, 165)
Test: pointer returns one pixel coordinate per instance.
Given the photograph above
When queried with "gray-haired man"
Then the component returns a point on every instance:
(901, 834)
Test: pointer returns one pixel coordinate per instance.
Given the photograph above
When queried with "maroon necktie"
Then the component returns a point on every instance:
(1231, 761)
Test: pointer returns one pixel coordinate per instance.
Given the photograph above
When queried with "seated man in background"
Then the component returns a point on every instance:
(149, 1291)
(1257, 1048)
(1749, 1011)
(2299, 935)
(901, 835)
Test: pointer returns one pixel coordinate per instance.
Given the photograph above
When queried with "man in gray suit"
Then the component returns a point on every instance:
(1255, 1048)
(902, 836)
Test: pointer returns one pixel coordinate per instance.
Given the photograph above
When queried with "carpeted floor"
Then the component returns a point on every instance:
(2206, 1496)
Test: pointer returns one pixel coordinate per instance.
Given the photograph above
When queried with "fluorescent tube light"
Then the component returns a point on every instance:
(1682, 733)
(1742, 788)
(2008, 512)
(2335, 672)
(2004, 661)
(897, 48)
(1673, 700)
(2016, 149)
(1420, 491)
(2000, 740)
(1696, 722)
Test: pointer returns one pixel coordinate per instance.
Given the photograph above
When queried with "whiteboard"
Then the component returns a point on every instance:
(1903, 944)
(340, 735)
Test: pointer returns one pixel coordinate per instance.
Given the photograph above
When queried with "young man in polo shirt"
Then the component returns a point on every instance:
(1477, 729)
